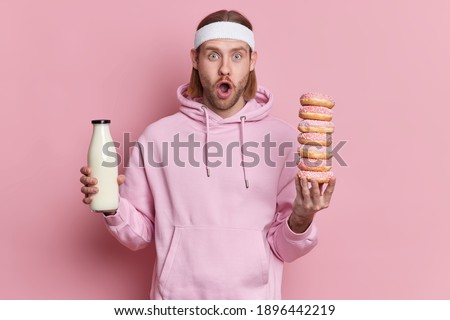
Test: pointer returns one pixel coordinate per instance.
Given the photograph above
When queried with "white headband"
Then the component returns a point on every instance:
(224, 30)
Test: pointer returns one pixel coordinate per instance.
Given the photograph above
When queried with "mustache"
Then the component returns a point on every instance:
(226, 80)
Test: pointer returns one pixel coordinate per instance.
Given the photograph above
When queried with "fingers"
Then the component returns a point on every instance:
(305, 186)
(89, 190)
(297, 184)
(314, 198)
(87, 200)
(298, 188)
(120, 179)
(88, 181)
(315, 195)
(321, 188)
(85, 170)
(329, 190)
(305, 192)
(85, 178)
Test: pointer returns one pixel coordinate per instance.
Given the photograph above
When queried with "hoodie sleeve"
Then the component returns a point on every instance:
(133, 223)
(286, 244)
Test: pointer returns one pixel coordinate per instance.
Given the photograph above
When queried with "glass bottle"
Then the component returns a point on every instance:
(102, 159)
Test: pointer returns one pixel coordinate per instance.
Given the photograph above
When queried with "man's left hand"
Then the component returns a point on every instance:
(308, 202)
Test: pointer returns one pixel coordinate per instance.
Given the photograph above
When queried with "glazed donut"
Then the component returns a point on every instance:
(308, 164)
(316, 126)
(315, 152)
(315, 113)
(315, 139)
(316, 99)
(320, 176)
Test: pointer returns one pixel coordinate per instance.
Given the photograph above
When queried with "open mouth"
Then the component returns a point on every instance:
(224, 89)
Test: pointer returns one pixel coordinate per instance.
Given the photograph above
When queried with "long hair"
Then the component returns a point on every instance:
(195, 88)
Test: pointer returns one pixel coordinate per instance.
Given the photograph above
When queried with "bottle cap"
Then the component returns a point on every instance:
(100, 121)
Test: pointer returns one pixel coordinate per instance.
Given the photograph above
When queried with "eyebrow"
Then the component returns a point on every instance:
(232, 49)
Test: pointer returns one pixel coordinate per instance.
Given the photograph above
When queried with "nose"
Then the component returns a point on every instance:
(224, 69)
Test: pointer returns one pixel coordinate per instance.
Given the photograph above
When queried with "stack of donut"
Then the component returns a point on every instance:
(315, 137)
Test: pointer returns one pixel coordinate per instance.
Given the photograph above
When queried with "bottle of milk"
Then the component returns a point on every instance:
(102, 159)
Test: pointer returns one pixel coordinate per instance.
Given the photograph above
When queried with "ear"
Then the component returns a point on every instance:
(253, 58)
(194, 58)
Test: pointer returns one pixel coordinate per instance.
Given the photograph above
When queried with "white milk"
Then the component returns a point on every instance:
(102, 159)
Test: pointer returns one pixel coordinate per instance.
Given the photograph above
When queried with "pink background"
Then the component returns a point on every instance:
(63, 63)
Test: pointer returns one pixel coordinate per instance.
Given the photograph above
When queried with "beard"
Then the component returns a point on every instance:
(214, 102)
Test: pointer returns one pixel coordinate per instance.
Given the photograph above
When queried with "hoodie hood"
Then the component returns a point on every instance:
(254, 110)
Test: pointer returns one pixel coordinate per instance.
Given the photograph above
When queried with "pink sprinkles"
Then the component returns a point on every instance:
(316, 109)
(317, 174)
(313, 136)
(315, 149)
(314, 163)
(315, 123)
(313, 95)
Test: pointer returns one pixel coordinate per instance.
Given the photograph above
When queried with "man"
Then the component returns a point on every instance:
(221, 203)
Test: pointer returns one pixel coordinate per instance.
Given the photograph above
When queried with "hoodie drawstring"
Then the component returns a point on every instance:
(242, 137)
(206, 140)
(243, 118)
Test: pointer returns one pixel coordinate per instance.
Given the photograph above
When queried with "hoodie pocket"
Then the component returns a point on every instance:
(215, 263)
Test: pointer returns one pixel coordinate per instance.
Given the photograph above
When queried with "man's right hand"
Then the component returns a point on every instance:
(89, 188)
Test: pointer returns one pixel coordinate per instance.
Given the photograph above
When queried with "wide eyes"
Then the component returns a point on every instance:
(215, 56)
